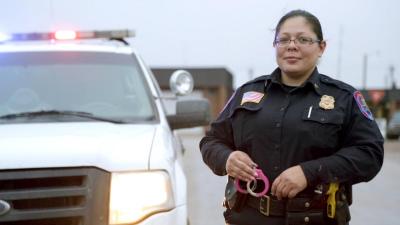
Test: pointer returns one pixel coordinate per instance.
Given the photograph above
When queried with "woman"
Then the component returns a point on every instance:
(311, 135)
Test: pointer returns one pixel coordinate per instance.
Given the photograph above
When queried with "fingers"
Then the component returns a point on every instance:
(239, 165)
(275, 184)
(292, 194)
(289, 183)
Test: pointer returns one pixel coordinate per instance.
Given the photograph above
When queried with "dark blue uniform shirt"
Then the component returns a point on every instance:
(280, 127)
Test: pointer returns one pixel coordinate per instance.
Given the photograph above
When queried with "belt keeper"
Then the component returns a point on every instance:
(265, 210)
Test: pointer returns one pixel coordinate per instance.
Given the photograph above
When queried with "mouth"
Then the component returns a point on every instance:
(291, 59)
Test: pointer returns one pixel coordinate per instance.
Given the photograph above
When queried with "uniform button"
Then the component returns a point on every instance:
(278, 124)
(307, 204)
(283, 108)
(322, 119)
(306, 219)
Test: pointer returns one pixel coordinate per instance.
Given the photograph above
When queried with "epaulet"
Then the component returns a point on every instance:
(337, 83)
(262, 78)
(253, 85)
(356, 95)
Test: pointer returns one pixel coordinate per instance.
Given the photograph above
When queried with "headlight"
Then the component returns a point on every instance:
(136, 195)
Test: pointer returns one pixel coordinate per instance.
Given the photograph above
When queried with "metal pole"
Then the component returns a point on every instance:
(391, 74)
(339, 60)
(365, 68)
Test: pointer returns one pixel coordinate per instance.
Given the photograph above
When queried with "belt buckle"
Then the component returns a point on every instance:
(264, 205)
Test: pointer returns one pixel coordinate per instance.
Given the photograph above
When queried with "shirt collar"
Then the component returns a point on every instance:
(275, 77)
(313, 80)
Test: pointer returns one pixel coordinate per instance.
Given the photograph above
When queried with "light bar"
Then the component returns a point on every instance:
(68, 35)
(65, 35)
(4, 37)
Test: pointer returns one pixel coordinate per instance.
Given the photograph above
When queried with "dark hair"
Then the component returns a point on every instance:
(311, 19)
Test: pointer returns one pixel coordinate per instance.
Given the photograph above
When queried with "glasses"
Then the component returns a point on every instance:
(299, 41)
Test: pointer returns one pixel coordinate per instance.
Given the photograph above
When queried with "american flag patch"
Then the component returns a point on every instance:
(252, 96)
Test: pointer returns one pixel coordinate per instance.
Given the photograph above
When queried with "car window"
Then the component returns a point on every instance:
(396, 117)
(105, 84)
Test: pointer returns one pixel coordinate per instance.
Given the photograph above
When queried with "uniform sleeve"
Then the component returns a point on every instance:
(218, 142)
(360, 157)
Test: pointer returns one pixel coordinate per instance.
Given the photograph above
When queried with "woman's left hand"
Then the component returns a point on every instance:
(289, 183)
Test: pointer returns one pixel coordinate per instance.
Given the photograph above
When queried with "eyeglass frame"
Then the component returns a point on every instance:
(306, 41)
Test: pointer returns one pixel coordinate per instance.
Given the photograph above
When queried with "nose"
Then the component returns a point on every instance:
(292, 44)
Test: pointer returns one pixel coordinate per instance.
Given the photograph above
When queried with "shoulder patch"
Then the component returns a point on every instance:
(362, 105)
(252, 96)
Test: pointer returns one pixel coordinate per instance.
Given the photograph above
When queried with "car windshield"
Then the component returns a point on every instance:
(107, 85)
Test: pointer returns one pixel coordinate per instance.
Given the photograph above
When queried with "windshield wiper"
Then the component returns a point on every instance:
(59, 112)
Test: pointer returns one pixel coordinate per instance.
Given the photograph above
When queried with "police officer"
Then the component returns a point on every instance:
(304, 130)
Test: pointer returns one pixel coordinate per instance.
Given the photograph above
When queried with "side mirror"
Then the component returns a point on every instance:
(190, 113)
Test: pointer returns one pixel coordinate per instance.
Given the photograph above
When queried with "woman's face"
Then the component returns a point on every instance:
(297, 60)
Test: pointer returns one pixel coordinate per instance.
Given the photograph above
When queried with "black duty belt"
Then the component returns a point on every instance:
(267, 205)
(271, 206)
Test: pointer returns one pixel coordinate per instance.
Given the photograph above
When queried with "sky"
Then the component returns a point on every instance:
(235, 34)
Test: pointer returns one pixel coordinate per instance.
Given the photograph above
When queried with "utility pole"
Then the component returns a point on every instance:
(339, 60)
(251, 73)
(391, 75)
(365, 65)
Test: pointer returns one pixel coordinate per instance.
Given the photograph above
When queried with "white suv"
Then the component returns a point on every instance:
(85, 139)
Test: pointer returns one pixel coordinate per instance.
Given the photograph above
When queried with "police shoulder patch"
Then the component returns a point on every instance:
(362, 105)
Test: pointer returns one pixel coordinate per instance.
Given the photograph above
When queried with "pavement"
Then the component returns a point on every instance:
(374, 203)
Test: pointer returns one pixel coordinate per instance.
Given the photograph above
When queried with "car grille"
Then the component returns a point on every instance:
(77, 196)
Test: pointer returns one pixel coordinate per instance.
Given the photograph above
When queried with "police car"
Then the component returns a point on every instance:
(85, 138)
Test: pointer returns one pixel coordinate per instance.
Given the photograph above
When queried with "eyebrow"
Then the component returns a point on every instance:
(286, 33)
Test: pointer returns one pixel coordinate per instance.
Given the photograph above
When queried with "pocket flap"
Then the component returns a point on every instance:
(323, 116)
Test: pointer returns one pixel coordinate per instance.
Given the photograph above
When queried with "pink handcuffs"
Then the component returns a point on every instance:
(252, 185)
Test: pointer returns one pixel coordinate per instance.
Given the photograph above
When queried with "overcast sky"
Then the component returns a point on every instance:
(228, 33)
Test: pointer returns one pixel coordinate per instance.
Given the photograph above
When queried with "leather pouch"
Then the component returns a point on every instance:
(234, 200)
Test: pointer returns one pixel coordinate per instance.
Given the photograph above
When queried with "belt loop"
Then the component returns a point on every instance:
(264, 209)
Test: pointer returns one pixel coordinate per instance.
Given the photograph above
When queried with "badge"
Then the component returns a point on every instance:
(252, 96)
(362, 105)
(327, 102)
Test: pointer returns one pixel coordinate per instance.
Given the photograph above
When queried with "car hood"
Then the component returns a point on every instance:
(107, 146)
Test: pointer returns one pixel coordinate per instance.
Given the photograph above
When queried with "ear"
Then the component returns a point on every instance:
(322, 46)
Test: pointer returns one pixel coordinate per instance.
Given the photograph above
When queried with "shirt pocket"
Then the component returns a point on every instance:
(242, 119)
(323, 127)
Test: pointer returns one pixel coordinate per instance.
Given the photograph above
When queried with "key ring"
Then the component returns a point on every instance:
(252, 185)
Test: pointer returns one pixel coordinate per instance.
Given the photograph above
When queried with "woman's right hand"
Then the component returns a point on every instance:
(239, 165)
